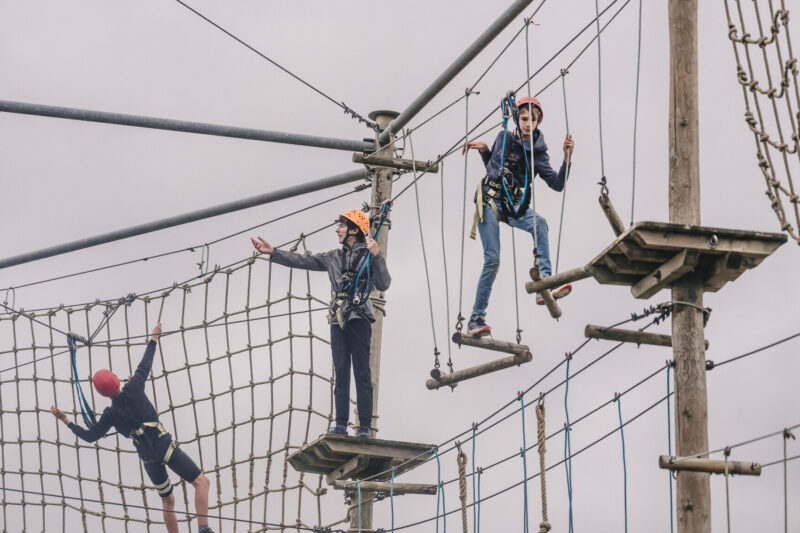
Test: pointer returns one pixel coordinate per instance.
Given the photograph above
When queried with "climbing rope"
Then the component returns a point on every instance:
(358, 486)
(461, 460)
(476, 506)
(440, 492)
(636, 110)
(544, 525)
(424, 256)
(521, 398)
(624, 464)
(567, 445)
(564, 72)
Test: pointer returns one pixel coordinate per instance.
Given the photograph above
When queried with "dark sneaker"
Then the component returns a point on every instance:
(560, 292)
(338, 430)
(477, 327)
(364, 433)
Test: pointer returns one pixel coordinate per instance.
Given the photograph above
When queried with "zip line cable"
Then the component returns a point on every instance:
(347, 110)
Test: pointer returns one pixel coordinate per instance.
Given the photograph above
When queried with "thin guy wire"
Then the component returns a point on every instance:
(669, 448)
(342, 105)
(624, 464)
(566, 177)
(599, 89)
(678, 460)
(422, 242)
(463, 208)
(516, 286)
(444, 263)
(533, 186)
(636, 111)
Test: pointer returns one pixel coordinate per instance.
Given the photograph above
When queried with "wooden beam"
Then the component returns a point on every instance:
(383, 486)
(604, 275)
(626, 335)
(391, 162)
(350, 468)
(620, 264)
(660, 278)
(479, 370)
(549, 301)
(613, 218)
(552, 282)
(709, 466)
(490, 344)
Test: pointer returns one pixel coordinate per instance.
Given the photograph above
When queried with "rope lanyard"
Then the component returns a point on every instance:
(567, 445)
(624, 464)
(88, 415)
(521, 399)
(564, 72)
(669, 452)
(366, 262)
(424, 255)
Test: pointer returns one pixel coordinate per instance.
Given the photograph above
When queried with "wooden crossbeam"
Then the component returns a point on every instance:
(490, 344)
(549, 301)
(613, 218)
(626, 335)
(473, 372)
(401, 164)
(710, 466)
(348, 469)
(661, 277)
(551, 282)
(382, 486)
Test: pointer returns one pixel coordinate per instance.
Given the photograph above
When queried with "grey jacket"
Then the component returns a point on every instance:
(336, 262)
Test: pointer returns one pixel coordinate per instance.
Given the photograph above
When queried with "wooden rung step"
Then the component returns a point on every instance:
(613, 218)
(382, 486)
(626, 335)
(390, 162)
(551, 282)
(549, 301)
(521, 354)
(710, 466)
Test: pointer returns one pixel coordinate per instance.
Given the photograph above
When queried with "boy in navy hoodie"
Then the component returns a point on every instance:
(504, 195)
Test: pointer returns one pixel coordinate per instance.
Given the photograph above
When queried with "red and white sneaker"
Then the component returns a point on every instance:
(477, 327)
(560, 292)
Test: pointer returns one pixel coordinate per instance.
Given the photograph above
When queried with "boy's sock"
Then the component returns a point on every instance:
(205, 529)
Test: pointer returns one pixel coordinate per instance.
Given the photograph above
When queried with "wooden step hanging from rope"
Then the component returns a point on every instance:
(710, 466)
(386, 487)
(547, 297)
(626, 335)
(651, 256)
(520, 354)
(391, 162)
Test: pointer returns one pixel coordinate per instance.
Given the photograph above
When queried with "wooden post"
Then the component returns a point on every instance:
(381, 191)
(691, 401)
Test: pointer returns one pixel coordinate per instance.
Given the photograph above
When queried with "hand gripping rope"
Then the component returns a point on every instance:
(357, 297)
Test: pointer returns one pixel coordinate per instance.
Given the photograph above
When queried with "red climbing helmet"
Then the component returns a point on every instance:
(106, 382)
(522, 103)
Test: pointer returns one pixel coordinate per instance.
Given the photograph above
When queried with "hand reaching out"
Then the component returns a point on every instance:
(156, 333)
(58, 413)
(477, 145)
(262, 246)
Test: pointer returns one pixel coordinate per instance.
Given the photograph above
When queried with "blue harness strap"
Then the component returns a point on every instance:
(88, 415)
(358, 298)
(510, 110)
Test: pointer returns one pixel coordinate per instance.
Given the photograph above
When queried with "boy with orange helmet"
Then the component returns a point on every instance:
(504, 195)
(354, 270)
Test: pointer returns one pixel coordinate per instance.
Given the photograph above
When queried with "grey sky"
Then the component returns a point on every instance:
(64, 180)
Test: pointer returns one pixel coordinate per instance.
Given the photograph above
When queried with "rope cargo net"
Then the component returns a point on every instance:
(772, 99)
(240, 379)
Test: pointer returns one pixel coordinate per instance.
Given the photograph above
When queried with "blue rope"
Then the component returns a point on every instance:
(366, 261)
(440, 492)
(568, 446)
(477, 529)
(475, 503)
(669, 447)
(391, 498)
(358, 484)
(87, 413)
(524, 466)
(624, 465)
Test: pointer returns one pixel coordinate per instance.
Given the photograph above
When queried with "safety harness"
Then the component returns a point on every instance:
(513, 194)
(141, 436)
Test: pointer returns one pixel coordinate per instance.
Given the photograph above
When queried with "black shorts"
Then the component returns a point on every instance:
(180, 463)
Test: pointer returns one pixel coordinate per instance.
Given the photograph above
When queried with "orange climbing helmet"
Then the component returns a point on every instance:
(522, 103)
(106, 382)
(357, 217)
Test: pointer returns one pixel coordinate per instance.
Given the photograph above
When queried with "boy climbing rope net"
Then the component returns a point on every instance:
(354, 270)
(504, 195)
(132, 415)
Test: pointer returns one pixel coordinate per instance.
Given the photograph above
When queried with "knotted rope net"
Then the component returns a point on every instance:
(240, 379)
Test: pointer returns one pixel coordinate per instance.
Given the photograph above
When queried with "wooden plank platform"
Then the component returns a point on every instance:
(353, 457)
(650, 256)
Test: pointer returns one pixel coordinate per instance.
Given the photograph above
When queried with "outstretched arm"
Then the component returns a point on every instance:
(89, 435)
(143, 370)
(318, 262)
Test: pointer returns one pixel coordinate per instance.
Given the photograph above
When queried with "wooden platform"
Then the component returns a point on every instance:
(650, 256)
(342, 457)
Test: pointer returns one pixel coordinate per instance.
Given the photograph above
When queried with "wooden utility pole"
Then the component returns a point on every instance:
(381, 191)
(691, 402)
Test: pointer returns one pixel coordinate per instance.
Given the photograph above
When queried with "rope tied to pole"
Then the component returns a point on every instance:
(461, 459)
(544, 525)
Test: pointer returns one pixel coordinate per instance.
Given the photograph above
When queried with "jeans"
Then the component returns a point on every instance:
(489, 230)
(352, 345)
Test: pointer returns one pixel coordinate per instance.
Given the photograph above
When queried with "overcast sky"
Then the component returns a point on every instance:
(66, 180)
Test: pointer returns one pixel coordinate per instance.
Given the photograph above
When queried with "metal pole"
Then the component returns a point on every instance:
(230, 207)
(691, 398)
(120, 119)
(452, 71)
